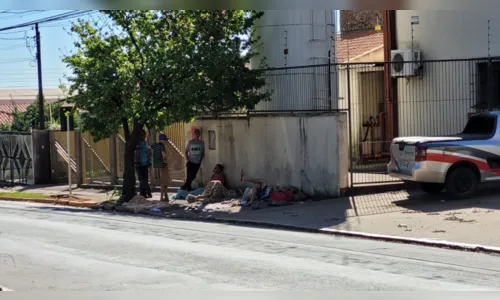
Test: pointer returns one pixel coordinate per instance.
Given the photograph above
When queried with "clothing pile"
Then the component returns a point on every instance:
(139, 203)
(182, 194)
(214, 192)
(272, 196)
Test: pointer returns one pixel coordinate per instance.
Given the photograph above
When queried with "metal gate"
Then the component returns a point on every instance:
(362, 94)
(16, 156)
(431, 98)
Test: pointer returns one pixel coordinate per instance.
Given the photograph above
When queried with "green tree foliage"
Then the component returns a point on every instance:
(24, 121)
(155, 68)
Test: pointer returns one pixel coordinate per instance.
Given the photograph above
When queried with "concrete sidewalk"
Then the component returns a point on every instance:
(403, 214)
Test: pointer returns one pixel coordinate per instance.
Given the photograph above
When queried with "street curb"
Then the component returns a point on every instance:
(63, 202)
(326, 231)
(342, 233)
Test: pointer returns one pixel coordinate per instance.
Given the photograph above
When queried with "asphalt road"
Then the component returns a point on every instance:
(54, 248)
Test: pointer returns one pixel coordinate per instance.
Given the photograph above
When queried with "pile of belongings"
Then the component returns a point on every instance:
(272, 196)
(182, 194)
(139, 204)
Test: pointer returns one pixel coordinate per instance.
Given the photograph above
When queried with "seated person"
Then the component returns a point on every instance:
(218, 174)
(216, 190)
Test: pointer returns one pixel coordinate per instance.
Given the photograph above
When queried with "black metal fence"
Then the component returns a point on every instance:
(16, 158)
(429, 98)
(294, 89)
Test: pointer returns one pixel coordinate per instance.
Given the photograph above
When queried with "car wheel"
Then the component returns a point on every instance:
(462, 183)
(432, 188)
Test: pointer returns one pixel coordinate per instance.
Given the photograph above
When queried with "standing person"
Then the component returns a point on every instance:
(195, 152)
(160, 165)
(142, 162)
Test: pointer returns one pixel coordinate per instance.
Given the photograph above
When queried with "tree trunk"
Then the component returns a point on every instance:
(128, 190)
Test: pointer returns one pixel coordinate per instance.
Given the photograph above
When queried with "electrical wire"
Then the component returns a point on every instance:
(18, 76)
(17, 15)
(59, 17)
(16, 61)
(13, 47)
(14, 32)
(18, 12)
(11, 39)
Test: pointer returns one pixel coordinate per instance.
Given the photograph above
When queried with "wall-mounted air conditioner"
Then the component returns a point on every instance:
(405, 63)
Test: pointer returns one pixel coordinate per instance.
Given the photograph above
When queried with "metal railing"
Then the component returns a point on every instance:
(429, 98)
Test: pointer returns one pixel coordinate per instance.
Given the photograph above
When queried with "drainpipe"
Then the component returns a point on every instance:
(391, 92)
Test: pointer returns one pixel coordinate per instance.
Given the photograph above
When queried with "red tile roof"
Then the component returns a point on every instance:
(353, 44)
(22, 98)
(7, 110)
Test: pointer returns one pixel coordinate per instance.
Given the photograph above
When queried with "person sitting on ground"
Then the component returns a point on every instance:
(218, 174)
(216, 190)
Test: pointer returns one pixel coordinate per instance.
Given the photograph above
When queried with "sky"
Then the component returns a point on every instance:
(18, 69)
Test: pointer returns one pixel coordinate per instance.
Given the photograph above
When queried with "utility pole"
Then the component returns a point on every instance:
(41, 110)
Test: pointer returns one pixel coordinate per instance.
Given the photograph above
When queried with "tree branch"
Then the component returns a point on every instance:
(131, 35)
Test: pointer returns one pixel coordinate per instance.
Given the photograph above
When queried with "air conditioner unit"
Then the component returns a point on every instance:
(405, 63)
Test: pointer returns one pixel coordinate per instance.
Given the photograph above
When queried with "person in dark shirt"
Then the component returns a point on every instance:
(142, 163)
(160, 165)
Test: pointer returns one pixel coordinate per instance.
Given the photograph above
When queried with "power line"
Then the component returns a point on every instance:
(14, 32)
(31, 87)
(12, 39)
(59, 17)
(13, 47)
(53, 69)
(17, 15)
(18, 12)
(16, 61)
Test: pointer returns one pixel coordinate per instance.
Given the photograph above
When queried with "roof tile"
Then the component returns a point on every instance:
(7, 112)
(353, 44)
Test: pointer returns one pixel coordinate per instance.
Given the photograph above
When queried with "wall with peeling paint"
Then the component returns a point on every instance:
(302, 151)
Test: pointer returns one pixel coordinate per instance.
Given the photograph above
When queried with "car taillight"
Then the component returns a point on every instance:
(420, 153)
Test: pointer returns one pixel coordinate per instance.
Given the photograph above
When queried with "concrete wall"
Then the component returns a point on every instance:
(302, 151)
(307, 34)
(448, 34)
